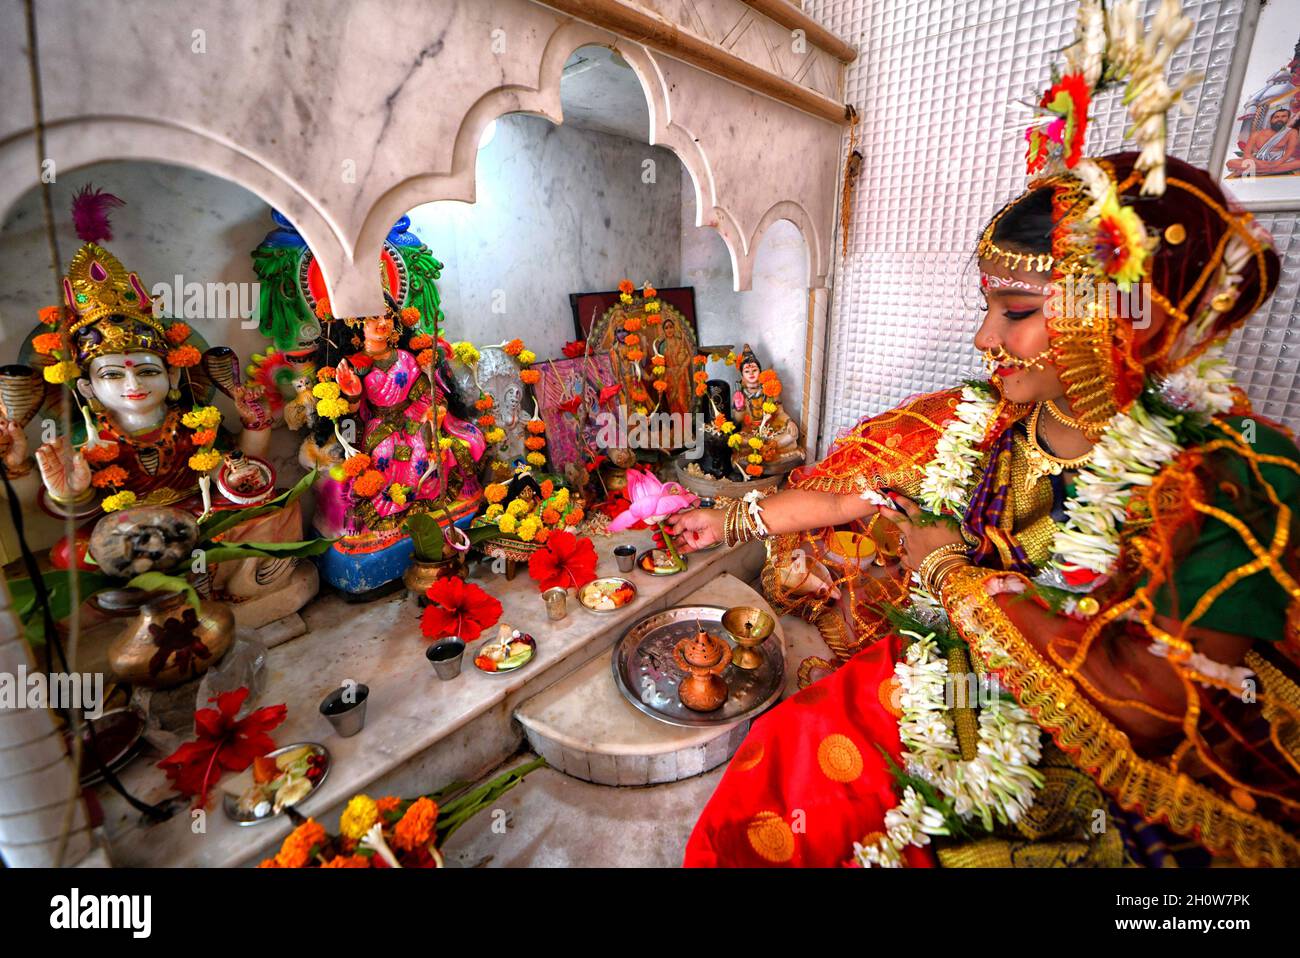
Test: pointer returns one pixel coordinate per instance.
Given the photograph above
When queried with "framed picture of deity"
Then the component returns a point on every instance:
(651, 346)
(569, 400)
(1257, 146)
(588, 308)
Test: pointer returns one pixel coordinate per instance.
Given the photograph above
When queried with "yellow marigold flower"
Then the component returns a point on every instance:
(495, 491)
(205, 461)
(652, 306)
(495, 435)
(444, 442)
(118, 500)
(494, 510)
(325, 390)
(64, 372)
(397, 492)
(769, 407)
(526, 357)
(465, 352)
(517, 507)
(755, 457)
(361, 813)
(625, 298)
(202, 417)
(528, 528)
(536, 459)
(562, 497)
(331, 408)
(507, 524)
(755, 442)
(734, 440)
(728, 427)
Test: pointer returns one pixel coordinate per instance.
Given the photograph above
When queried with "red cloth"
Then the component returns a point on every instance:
(809, 780)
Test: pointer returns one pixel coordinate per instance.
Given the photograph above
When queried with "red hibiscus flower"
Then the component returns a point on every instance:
(223, 744)
(458, 608)
(575, 348)
(571, 405)
(567, 561)
(609, 392)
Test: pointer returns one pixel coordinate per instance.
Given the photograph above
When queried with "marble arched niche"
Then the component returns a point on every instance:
(347, 118)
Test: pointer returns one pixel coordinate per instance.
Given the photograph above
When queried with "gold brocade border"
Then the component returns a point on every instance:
(1100, 748)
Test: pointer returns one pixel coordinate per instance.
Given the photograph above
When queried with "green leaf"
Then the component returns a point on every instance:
(234, 551)
(427, 537)
(220, 522)
(58, 584)
(160, 581)
(460, 810)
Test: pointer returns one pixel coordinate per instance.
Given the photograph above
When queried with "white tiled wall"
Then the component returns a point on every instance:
(942, 140)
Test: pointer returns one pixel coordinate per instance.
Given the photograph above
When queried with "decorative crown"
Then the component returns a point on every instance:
(110, 310)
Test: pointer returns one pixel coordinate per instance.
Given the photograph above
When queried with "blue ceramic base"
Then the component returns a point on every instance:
(358, 573)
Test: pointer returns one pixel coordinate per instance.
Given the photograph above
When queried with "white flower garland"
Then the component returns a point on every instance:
(948, 476)
(998, 785)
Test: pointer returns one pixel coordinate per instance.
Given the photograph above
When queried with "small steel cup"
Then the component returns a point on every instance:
(625, 556)
(348, 718)
(557, 603)
(446, 656)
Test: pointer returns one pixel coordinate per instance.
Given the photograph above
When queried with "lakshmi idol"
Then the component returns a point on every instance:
(1096, 605)
(137, 381)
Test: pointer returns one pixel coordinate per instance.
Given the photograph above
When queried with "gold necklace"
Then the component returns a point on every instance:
(1041, 462)
(1059, 416)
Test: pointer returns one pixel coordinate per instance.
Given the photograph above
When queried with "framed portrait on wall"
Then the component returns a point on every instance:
(590, 308)
(1257, 145)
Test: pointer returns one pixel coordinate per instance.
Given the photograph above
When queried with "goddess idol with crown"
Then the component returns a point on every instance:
(1096, 603)
(142, 385)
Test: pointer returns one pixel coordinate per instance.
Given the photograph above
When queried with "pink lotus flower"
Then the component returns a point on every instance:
(652, 501)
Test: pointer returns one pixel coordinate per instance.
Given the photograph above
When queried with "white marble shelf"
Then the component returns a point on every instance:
(420, 733)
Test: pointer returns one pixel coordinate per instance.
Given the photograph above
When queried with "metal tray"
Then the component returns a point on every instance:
(610, 578)
(645, 673)
(230, 800)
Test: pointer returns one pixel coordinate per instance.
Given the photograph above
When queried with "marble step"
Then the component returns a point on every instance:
(584, 727)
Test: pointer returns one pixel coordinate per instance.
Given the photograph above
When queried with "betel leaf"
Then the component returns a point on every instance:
(427, 537)
(219, 522)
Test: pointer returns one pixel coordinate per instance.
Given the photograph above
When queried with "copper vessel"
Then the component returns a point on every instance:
(167, 641)
(703, 657)
(420, 575)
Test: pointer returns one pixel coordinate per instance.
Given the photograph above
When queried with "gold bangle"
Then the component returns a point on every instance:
(931, 560)
(940, 573)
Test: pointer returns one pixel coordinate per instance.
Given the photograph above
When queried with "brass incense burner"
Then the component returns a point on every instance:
(703, 657)
(748, 627)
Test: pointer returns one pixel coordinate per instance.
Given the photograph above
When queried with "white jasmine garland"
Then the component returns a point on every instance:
(995, 787)
(948, 479)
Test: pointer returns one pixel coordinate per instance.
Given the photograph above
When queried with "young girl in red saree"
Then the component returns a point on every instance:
(1086, 650)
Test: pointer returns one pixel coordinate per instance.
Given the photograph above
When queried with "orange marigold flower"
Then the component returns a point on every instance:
(183, 357)
(514, 347)
(548, 488)
(415, 830)
(325, 374)
(633, 323)
(268, 863)
(50, 315)
(100, 453)
(530, 376)
(635, 355)
(701, 376)
(535, 442)
(495, 491)
(355, 465)
(422, 341)
(347, 861)
(536, 426)
(632, 339)
(551, 516)
(700, 389)
(542, 535)
(205, 437)
(654, 319)
(368, 484)
(487, 420)
(47, 343)
(177, 333)
(110, 476)
(297, 848)
(754, 470)
(322, 309)
(626, 286)
(424, 358)
(410, 315)
(771, 388)
(660, 385)
(649, 292)
(484, 402)
(701, 360)
(574, 516)
(387, 804)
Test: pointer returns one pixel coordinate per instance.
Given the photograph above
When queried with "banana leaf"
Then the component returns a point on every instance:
(219, 522)
(234, 551)
(58, 585)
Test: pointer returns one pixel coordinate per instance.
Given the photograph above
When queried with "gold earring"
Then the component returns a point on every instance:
(173, 394)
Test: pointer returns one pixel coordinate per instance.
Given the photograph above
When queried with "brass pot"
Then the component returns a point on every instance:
(420, 575)
(168, 641)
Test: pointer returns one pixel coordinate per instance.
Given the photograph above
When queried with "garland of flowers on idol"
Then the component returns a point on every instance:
(760, 449)
(633, 326)
(532, 521)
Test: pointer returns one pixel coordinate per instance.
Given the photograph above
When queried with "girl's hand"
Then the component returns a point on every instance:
(919, 540)
(695, 529)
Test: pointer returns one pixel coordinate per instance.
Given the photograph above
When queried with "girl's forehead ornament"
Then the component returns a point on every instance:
(993, 281)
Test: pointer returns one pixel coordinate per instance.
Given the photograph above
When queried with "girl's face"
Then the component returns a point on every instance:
(1015, 328)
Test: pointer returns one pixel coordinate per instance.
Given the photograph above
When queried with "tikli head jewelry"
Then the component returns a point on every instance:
(993, 281)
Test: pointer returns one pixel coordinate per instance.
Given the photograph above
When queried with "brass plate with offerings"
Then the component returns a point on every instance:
(648, 676)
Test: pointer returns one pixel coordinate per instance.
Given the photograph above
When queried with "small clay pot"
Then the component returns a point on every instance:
(703, 658)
